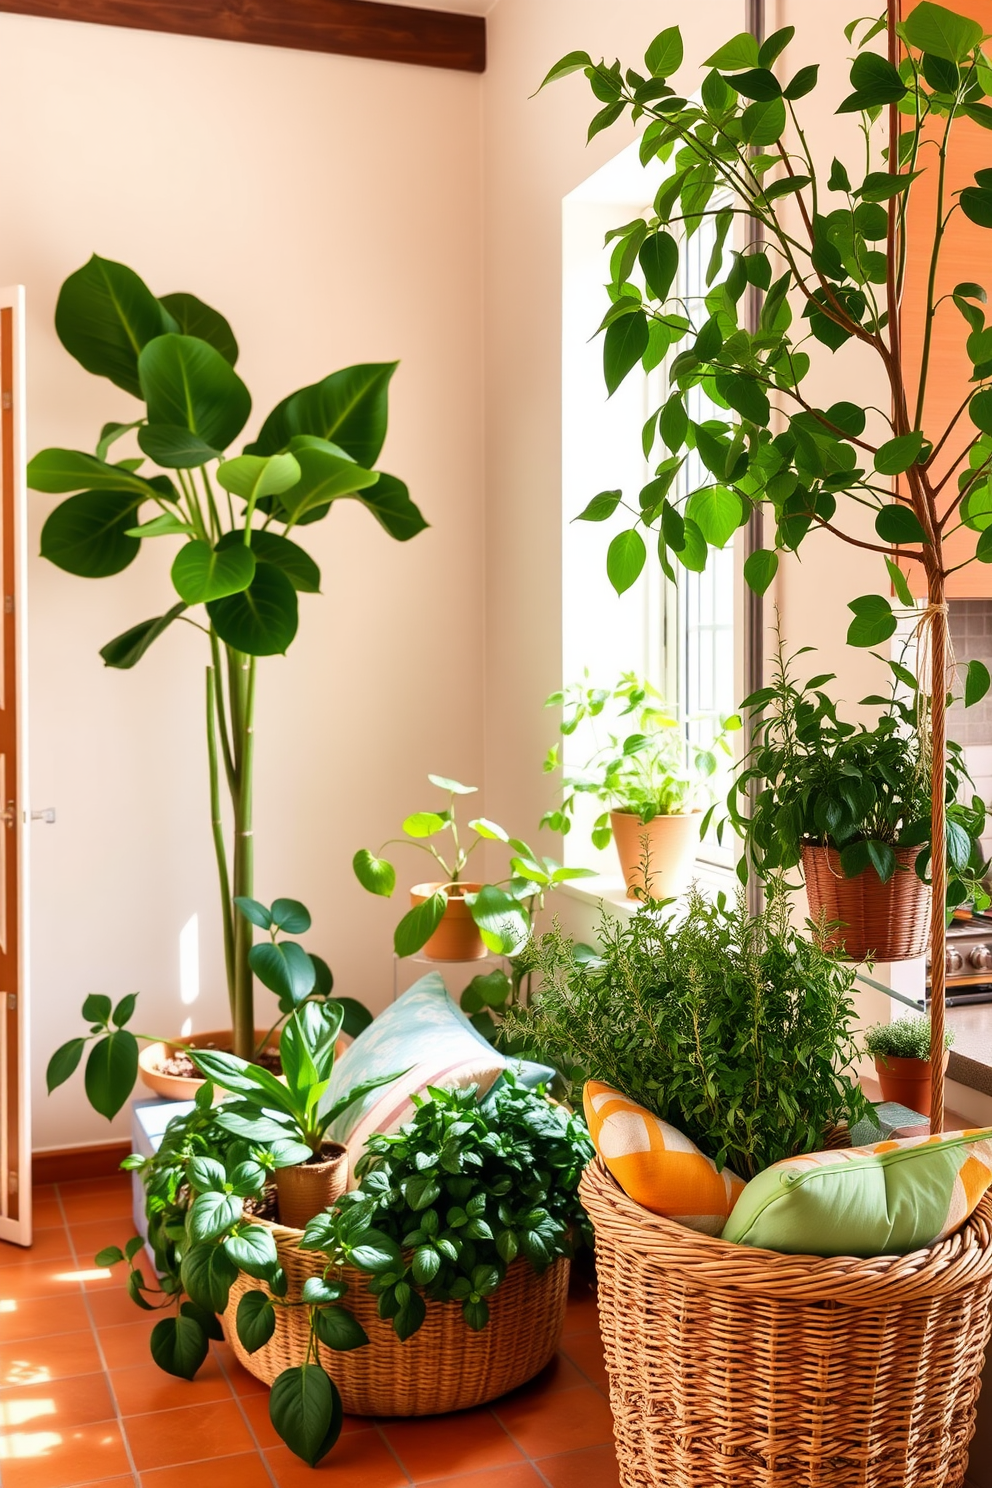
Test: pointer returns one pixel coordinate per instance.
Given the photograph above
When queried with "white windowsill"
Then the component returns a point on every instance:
(609, 890)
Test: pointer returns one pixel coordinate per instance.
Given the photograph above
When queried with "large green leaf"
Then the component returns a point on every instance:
(503, 923)
(390, 504)
(207, 1273)
(941, 32)
(174, 447)
(350, 407)
(253, 476)
(179, 1345)
(325, 475)
(255, 1320)
(201, 573)
(63, 1063)
(88, 534)
(211, 1214)
(418, 924)
(760, 567)
(717, 513)
(111, 1070)
(625, 343)
(374, 874)
(305, 1408)
(194, 318)
(59, 470)
(272, 547)
(625, 558)
(897, 523)
(262, 620)
(873, 621)
(125, 650)
(897, 455)
(659, 260)
(105, 315)
(185, 382)
(285, 969)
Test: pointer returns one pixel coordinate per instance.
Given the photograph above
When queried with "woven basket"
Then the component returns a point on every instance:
(733, 1367)
(883, 921)
(444, 1367)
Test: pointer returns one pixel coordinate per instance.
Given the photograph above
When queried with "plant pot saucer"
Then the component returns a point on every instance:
(184, 1087)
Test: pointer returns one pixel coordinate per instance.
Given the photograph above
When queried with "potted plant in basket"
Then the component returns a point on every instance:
(457, 919)
(651, 779)
(819, 255)
(901, 1051)
(851, 804)
(237, 519)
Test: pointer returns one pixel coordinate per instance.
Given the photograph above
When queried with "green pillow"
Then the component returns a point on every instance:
(888, 1199)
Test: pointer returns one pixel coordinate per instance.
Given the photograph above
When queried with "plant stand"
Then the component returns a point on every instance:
(732, 1367)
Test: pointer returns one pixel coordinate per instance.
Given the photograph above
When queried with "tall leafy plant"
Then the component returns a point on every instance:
(239, 566)
(822, 245)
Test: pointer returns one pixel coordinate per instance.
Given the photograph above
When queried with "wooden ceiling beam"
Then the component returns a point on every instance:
(352, 28)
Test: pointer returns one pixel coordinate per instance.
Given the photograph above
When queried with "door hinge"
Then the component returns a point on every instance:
(12, 1183)
(46, 814)
(12, 1002)
(8, 604)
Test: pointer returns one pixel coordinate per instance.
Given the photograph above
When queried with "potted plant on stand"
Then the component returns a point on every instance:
(237, 519)
(851, 804)
(901, 1051)
(809, 247)
(652, 779)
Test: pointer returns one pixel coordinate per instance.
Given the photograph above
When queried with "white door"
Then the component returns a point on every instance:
(15, 1081)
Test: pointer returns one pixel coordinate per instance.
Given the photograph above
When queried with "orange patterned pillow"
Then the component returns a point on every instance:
(656, 1165)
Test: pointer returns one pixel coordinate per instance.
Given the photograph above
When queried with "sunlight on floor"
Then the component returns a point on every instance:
(19, 1412)
(22, 1444)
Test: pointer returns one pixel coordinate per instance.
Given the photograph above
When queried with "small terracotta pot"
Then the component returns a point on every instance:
(906, 1081)
(312, 1187)
(672, 842)
(457, 937)
(178, 1087)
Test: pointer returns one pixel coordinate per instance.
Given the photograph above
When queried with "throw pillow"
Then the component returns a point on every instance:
(886, 1199)
(656, 1165)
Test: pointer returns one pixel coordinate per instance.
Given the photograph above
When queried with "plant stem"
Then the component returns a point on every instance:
(217, 826)
(241, 671)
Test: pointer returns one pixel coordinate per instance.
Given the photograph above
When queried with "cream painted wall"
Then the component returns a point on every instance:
(331, 208)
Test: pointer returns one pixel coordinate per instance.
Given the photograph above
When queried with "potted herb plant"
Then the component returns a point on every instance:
(239, 568)
(652, 778)
(455, 918)
(851, 804)
(901, 1051)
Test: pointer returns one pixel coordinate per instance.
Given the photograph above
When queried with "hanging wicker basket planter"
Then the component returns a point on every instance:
(444, 1367)
(879, 921)
(732, 1367)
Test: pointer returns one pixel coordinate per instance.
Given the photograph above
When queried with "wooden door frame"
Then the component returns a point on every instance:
(15, 1089)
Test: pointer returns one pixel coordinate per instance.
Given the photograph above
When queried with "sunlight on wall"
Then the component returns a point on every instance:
(189, 962)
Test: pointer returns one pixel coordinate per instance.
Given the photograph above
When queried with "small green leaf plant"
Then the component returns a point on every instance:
(812, 778)
(446, 1204)
(235, 520)
(502, 910)
(650, 769)
(293, 974)
(202, 1189)
(820, 250)
(903, 1038)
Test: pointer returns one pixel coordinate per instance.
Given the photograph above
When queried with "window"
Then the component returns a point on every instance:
(684, 638)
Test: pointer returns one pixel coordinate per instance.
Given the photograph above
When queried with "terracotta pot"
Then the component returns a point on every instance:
(457, 937)
(906, 1081)
(672, 842)
(879, 921)
(312, 1187)
(178, 1087)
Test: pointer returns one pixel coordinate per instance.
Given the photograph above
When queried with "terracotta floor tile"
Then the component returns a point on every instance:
(193, 1434)
(58, 1356)
(147, 1388)
(31, 1278)
(89, 1203)
(441, 1448)
(586, 1351)
(125, 1347)
(128, 1482)
(560, 1422)
(256, 1408)
(48, 1244)
(45, 1207)
(521, 1475)
(113, 1308)
(246, 1470)
(96, 1234)
(560, 1374)
(595, 1467)
(34, 1317)
(242, 1383)
(581, 1315)
(60, 1459)
(54, 1405)
(358, 1460)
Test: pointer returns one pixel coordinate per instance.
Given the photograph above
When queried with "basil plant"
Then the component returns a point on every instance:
(235, 520)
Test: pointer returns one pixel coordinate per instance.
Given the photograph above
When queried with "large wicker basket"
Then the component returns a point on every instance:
(733, 1367)
(443, 1367)
(882, 921)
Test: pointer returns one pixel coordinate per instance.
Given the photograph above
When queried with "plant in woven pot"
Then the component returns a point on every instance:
(649, 775)
(235, 520)
(457, 919)
(851, 805)
(818, 256)
(901, 1051)
(455, 1246)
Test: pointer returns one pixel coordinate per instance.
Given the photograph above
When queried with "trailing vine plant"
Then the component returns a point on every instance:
(823, 246)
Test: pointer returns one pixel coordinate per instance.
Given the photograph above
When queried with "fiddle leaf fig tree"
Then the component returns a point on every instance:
(235, 519)
(817, 247)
